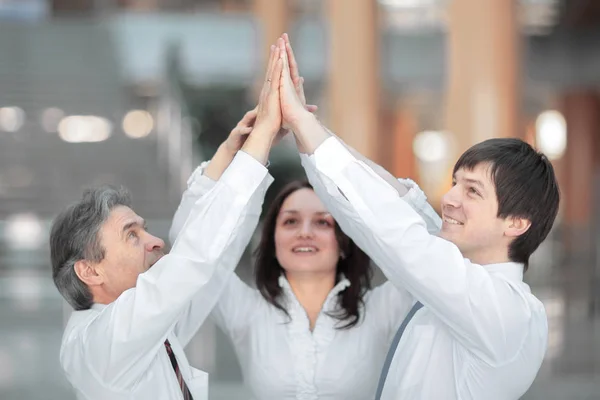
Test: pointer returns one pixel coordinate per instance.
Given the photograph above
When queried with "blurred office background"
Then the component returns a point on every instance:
(138, 92)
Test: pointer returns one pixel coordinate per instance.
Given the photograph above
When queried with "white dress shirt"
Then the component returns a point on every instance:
(481, 334)
(117, 351)
(280, 358)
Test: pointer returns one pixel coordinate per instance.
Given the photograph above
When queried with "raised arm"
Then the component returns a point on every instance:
(124, 338)
(203, 179)
(293, 94)
(233, 299)
(369, 210)
(406, 188)
(463, 295)
(129, 332)
(236, 299)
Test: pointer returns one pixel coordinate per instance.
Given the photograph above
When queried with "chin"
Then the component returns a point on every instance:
(452, 239)
(444, 234)
(301, 269)
(307, 268)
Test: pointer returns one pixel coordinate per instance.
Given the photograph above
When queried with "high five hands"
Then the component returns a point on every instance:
(281, 107)
(295, 115)
(281, 51)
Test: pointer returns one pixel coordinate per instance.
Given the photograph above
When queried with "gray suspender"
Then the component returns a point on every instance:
(392, 350)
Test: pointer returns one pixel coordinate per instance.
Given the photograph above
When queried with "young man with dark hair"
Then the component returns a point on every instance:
(473, 329)
(525, 188)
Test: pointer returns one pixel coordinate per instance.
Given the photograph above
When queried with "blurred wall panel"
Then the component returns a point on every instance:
(581, 111)
(72, 7)
(484, 58)
(354, 73)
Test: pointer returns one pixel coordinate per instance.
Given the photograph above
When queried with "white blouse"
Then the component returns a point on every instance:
(279, 356)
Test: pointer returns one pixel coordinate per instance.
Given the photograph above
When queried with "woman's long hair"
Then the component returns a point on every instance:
(355, 265)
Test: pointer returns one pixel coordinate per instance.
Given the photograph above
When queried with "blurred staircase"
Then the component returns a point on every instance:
(71, 66)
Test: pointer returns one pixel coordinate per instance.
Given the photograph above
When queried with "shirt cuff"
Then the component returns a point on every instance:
(332, 157)
(198, 182)
(307, 160)
(198, 173)
(245, 173)
(415, 195)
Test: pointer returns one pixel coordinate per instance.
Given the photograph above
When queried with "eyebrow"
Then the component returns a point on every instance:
(471, 181)
(296, 212)
(475, 182)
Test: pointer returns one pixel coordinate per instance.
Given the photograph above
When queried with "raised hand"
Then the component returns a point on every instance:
(268, 113)
(291, 94)
(298, 82)
(238, 135)
(227, 150)
(308, 131)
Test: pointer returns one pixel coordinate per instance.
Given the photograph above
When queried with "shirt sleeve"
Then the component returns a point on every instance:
(197, 186)
(417, 199)
(481, 311)
(234, 301)
(121, 342)
(237, 307)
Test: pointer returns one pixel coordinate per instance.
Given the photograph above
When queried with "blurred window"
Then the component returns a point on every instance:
(187, 5)
(23, 10)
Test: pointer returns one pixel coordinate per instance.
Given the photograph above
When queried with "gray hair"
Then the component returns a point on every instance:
(75, 236)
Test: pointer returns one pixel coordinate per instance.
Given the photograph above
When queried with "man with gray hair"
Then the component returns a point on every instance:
(136, 308)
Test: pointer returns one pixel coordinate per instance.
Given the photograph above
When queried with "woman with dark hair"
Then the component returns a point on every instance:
(289, 245)
(313, 328)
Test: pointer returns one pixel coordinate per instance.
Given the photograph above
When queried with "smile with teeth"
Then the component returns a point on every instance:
(304, 249)
(452, 221)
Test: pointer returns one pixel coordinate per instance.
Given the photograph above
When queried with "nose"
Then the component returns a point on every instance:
(305, 230)
(154, 243)
(452, 198)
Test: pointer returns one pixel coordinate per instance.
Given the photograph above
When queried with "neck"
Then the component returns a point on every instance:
(490, 256)
(311, 290)
(101, 296)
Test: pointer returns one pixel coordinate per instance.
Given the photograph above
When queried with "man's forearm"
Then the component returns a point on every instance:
(378, 169)
(310, 134)
(382, 172)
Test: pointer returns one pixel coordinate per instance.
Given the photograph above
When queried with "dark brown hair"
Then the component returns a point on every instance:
(355, 266)
(525, 185)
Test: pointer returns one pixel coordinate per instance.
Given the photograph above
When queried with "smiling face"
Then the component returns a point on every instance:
(305, 237)
(470, 216)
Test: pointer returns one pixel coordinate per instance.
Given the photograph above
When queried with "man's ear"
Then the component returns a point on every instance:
(86, 271)
(516, 226)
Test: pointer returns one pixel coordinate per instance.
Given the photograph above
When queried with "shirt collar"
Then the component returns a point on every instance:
(340, 286)
(511, 270)
(98, 306)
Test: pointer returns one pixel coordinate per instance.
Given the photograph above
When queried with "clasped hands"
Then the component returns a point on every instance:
(281, 108)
